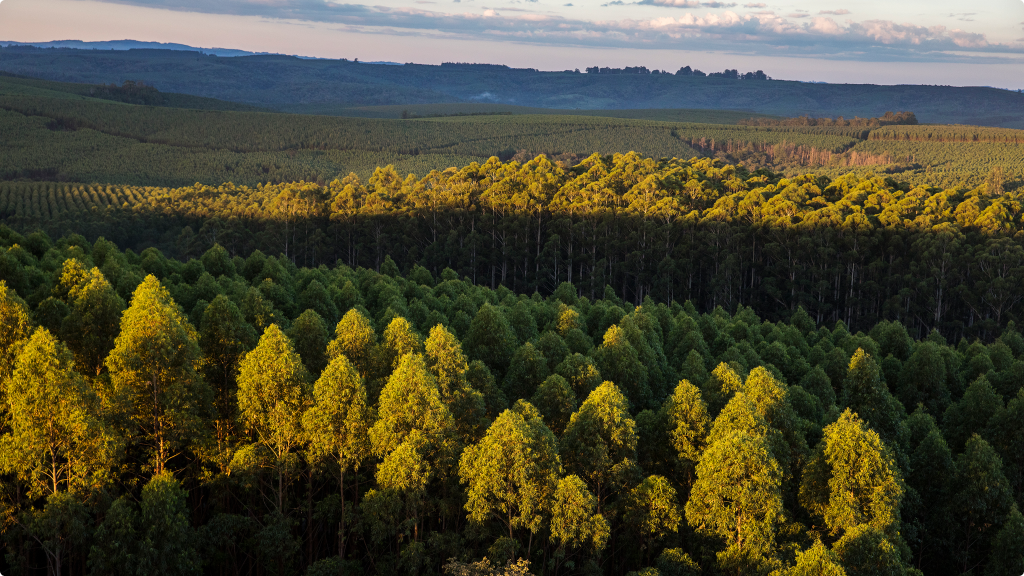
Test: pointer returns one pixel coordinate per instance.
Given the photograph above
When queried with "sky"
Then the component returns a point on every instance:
(977, 43)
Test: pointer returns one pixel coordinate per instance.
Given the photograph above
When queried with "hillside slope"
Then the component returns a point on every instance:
(284, 82)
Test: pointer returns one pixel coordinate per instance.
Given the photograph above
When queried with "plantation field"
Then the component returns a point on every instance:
(54, 131)
(704, 116)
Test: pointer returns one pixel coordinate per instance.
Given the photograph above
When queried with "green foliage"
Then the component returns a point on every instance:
(853, 479)
(166, 540)
(738, 498)
(56, 443)
(688, 422)
(273, 393)
(512, 473)
(556, 402)
(652, 510)
(1008, 548)
(970, 415)
(574, 520)
(619, 362)
(599, 444)
(355, 338)
(155, 374)
(865, 549)
(310, 336)
(817, 561)
(981, 501)
(867, 395)
(526, 372)
(412, 462)
(338, 421)
(491, 339)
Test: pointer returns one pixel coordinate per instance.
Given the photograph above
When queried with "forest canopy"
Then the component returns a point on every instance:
(230, 414)
(853, 248)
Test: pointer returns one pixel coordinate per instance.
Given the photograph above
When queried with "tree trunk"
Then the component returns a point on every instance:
(341, 528)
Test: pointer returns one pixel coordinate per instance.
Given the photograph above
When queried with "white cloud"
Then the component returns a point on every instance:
(796, 34)
(840, 12)
(687, 3)
(826, 26)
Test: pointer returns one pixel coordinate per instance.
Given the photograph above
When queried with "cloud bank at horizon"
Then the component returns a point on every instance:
(670, 24)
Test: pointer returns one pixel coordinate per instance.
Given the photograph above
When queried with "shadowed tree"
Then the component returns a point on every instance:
(688, 424)
(310, 337)
(525, 373)
(1007, 556)
(865, 549)
(652, 511)
(224, 337)
(971, 414)
(556, 402)
(981, 502)
(491, 339)
(93, 321)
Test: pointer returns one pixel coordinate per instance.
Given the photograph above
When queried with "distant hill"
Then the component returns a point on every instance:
(328, 86)
(13, 85)
(131, 45)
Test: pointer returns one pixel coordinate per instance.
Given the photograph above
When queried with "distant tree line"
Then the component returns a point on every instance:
(731, 74)
(905, 118)
(130, 92)
(684, 71)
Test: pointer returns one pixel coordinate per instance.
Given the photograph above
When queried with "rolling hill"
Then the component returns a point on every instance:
(295, 84)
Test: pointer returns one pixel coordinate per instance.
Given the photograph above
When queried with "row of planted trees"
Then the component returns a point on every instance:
(853, 249)
(441, 423)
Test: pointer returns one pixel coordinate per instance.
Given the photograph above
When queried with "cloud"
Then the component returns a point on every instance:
(755, 5)
(840, 12)
(798, 34)
(686, 3)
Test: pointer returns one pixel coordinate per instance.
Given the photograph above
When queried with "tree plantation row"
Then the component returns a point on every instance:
(230, 415)
(860, 250)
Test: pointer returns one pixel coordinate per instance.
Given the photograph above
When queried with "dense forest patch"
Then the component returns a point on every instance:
(235, 414)
(855, 249)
